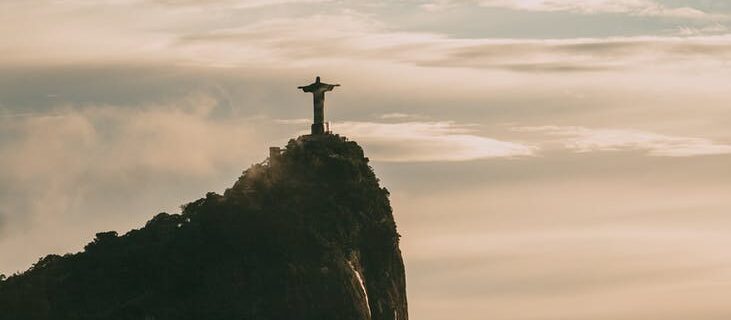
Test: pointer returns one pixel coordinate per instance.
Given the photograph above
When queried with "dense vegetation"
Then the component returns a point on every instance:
(282, 243)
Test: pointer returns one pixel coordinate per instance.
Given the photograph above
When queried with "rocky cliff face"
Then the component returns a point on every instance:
(307, 235)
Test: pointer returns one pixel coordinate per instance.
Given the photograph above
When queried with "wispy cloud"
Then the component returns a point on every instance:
(112, 144)
(161, 35)
(67, 169)
(233, 4)
(361, 39)
(395, 115)
(581, 139)
(292, 121)
(428, 141)
(716, 28)
(584, 54)
(630, 7)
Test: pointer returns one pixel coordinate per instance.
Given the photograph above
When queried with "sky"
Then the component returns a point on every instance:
(546, 159)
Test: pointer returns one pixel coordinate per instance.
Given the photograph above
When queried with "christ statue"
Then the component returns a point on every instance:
(318, 90)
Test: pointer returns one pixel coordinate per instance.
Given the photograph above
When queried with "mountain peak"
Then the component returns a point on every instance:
(308, 234)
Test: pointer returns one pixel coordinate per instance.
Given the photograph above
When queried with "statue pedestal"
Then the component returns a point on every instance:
(318, 128)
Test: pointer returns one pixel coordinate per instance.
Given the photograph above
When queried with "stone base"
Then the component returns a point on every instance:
(318, 128)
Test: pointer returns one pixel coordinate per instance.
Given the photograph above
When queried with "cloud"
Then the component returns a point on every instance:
(630, 7)
(402, 117)
(587, 54)
(395, 115)
(428, 141)
(715, 28)
(76, 170)
(599, 232)
(234, 4)
(581, 139)
(153, 138)
(293, 121)
(359, 39)
(68, 32)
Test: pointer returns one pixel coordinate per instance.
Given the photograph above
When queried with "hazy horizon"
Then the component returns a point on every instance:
(546, 159)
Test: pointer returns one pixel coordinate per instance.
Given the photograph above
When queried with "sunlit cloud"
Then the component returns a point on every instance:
(396, 115)
(68, 170)
(180, 138)
(630, 7)
(57, 150)
(581, 139)
(278, 42)
(293, 121)
(232, 4)
(711, 29)
(428, 141)
(361, 39)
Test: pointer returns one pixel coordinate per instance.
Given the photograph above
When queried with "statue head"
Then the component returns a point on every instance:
(317, 79)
